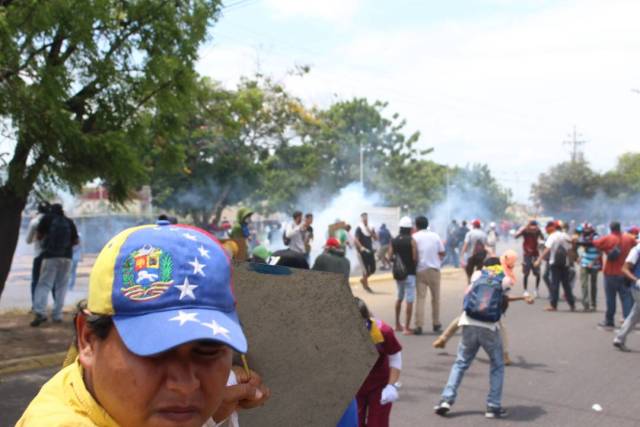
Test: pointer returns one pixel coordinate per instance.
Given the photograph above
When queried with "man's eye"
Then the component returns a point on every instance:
(208, 351)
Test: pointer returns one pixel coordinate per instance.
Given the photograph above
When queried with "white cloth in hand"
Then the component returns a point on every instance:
(389, 394)
(638, 284)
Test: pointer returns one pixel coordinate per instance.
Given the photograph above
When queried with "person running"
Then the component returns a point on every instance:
(531, 237)
(631, 269)
(508, 262)
(404, 253)
(364, 238)
(480, 329)
(378, 392)
(474, 248)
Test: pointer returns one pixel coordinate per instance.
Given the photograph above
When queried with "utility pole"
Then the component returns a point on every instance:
(575, 143)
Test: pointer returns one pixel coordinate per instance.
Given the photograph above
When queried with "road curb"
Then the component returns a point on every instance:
(29, 363)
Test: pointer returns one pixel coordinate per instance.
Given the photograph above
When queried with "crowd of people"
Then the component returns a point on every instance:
(123, 296)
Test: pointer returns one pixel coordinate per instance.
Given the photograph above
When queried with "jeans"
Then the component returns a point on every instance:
(54, 275)
(560, 276)
(474, 337)
(616, 285)
(632, 319)
(546, 276)
(589, 282)
(407, 288)
(451, 257)
(35, 276)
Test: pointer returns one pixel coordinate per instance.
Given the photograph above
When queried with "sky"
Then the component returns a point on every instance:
(501, 82)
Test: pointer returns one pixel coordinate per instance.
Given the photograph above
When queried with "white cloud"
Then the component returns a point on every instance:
(498, 91)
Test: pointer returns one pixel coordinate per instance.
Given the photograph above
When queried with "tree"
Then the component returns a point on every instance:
(232, 136)
(91, 88)
(562, 190)
(346, 127)
(623, 182)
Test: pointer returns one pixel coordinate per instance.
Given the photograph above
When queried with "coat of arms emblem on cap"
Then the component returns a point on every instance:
(147, 273)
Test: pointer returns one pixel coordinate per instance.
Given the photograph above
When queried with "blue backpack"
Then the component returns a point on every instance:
(484, 301)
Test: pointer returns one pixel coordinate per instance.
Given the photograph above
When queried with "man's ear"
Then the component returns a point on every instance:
(86, 342)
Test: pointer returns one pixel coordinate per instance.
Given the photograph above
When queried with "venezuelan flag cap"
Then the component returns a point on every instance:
(166, 285)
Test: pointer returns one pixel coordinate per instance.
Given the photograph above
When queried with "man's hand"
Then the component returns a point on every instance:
(389, 394)
(248, 393)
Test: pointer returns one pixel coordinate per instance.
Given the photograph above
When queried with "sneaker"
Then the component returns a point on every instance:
(605, 324)
(525, 294)
(437, 328)
(443, 408)
(37, 321)
(417, 330)
(493, 412)
(620, 346)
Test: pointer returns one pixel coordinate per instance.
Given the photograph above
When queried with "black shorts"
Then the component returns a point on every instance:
(475, 262)
(528, 265)
(369, 262)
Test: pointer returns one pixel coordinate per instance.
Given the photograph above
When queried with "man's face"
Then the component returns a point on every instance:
(365, 219)
(297, 219)
(308, 220)
(180, 387)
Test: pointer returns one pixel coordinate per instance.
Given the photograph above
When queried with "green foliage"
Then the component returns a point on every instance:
(623, 182)
(93, 88)
(563, 189)
(231, 137)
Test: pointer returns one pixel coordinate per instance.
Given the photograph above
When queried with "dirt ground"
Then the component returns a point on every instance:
(19, 340)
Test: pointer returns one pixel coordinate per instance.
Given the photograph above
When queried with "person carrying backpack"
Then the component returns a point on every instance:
(403, 252)
(557, 248)
(475, 249)
(58, 235)
(486, 299)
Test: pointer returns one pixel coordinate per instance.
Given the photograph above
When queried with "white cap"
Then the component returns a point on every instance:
(405, 222)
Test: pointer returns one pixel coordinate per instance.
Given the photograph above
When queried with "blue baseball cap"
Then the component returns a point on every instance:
(165, 285)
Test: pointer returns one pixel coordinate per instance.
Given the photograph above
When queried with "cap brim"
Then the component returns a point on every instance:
(156, 332)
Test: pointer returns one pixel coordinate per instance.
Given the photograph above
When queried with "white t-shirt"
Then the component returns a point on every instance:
(465, 320)
(554, 241)
(429, 246)
(295, 234)
(633, 256)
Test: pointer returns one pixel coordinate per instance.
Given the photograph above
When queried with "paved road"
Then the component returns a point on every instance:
(564, 365)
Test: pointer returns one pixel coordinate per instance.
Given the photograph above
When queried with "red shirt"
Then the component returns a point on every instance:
(531, 235)
(607, 243)
(379, 374)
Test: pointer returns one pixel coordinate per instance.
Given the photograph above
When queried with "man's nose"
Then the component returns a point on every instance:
(181, 376)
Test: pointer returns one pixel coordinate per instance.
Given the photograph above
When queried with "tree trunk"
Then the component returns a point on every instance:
(11, 207)
(221, 203)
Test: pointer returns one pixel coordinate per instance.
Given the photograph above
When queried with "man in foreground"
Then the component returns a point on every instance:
(631, 270)
(155, 342)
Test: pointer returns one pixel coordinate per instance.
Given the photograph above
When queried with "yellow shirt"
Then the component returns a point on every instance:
(65, 401)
